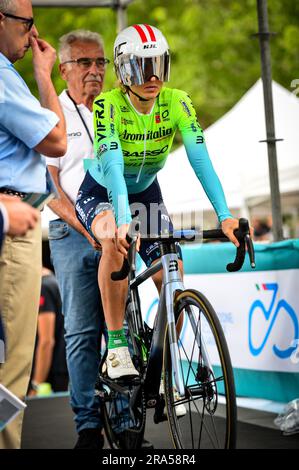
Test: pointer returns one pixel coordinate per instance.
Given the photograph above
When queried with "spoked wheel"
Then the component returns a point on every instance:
(209, 399)
(124, 424)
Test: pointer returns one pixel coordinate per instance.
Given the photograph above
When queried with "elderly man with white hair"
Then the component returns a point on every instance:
(74, 253)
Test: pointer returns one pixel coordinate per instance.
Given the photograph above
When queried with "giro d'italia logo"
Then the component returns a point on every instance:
(270, 315)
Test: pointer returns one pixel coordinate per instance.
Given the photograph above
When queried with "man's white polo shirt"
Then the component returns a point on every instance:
(71, 170)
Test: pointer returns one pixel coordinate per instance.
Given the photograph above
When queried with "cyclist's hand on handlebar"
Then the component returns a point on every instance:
(121, 242)
(228, 226)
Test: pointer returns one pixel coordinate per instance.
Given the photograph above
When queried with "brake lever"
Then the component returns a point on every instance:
(243, 235)
(129, 263)
(132, 252)
(250, 250)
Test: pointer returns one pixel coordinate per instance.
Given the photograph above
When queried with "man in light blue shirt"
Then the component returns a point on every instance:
(28, 128)
(24, 123)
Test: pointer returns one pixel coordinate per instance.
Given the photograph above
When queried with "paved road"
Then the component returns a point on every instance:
(48, 424)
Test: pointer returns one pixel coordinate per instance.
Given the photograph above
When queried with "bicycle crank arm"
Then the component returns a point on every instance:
(121, 385)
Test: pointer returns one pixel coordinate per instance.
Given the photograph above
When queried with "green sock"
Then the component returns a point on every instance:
(116, 339)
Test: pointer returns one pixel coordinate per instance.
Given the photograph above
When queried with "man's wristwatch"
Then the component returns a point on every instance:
(34, 385)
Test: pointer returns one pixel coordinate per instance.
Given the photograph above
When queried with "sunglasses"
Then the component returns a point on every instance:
(85, 62)
(28, 21)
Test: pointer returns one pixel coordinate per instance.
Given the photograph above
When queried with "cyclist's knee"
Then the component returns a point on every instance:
(103, 226)
(110, 255)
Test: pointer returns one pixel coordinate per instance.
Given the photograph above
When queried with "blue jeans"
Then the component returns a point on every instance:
(76, 268)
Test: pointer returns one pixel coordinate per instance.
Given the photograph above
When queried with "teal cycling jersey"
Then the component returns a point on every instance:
(131, 147)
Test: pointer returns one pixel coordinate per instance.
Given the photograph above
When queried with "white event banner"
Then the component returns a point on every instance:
(259, 313)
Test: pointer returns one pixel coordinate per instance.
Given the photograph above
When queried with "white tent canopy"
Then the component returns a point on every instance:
(240, 160)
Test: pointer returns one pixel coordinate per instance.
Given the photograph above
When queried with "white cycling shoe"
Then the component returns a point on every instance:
(180, 410)
(119, 363)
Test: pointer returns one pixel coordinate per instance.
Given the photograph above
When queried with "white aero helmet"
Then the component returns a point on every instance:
(140, 52)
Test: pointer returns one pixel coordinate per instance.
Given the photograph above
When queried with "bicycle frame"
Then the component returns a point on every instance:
(143, 391)
(171, 285)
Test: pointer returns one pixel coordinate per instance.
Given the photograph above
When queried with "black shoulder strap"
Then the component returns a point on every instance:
(81, 117)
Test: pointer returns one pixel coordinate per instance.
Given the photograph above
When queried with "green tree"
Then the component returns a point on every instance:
(214, 57)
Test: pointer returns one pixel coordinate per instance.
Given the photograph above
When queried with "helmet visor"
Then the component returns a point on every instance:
(133, 70)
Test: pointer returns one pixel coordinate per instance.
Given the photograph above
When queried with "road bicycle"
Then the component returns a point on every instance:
(186, 348)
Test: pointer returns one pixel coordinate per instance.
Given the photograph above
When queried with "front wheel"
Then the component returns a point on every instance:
(210, 416)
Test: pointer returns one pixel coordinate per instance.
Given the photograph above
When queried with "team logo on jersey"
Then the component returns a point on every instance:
(185, 108)
(125, 121)
(152, 153)
(112, 112)
(157, 118)
(124, 109)
(99, 116)
(151, 135)
(200, 139)
(113, 146)
(102, 149)
(112, 129)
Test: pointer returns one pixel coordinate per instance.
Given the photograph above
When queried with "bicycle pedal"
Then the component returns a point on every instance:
(127, 380)
(99, 393)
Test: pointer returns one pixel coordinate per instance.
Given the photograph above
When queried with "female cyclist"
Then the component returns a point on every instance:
(134, 129)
